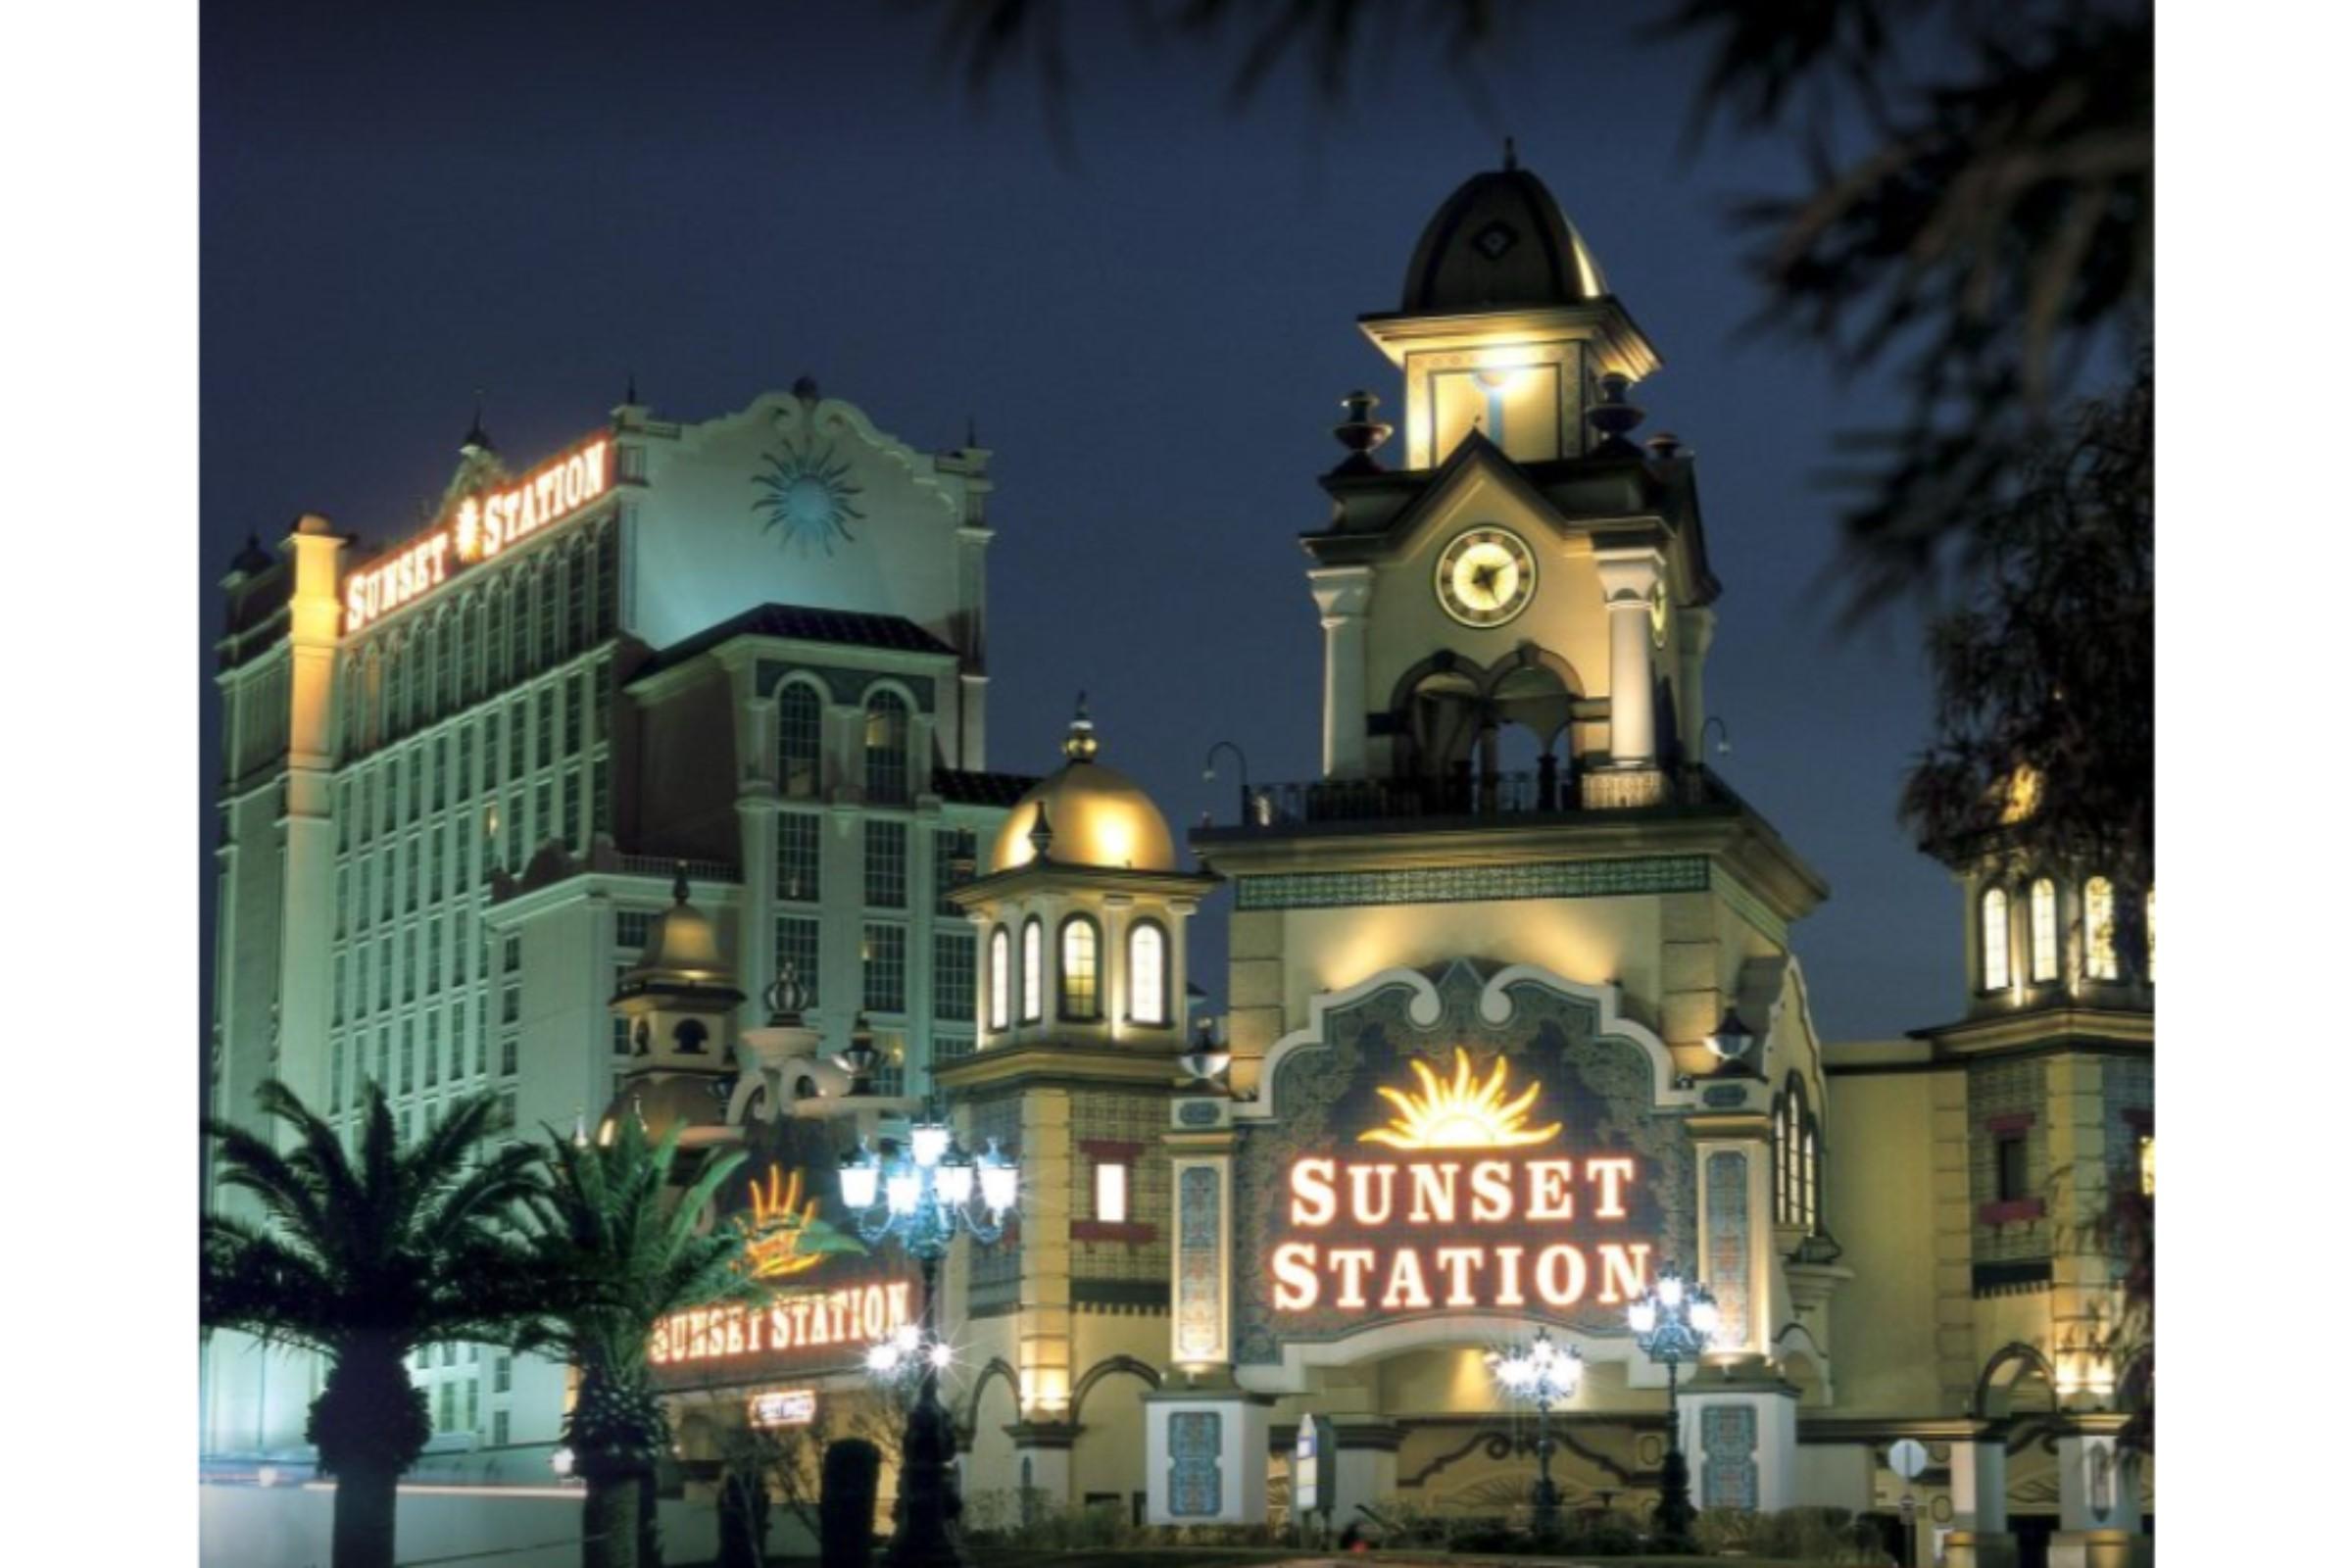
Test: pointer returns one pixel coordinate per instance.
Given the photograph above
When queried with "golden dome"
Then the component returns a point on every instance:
(681, 949)
(1085, 813)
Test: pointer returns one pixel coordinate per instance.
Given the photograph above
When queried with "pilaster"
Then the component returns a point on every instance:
(1343, 594)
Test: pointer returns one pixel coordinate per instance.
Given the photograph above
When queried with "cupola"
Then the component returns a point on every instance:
(1085, 813)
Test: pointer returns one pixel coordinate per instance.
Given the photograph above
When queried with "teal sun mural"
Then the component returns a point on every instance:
(807, 498)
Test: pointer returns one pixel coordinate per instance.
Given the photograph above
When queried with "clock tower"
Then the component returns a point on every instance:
(1514, 868)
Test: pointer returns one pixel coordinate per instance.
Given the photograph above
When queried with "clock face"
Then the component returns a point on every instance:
(1486, 577)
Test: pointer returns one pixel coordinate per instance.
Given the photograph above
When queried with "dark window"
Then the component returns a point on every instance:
(800, 742)
(885, 731)
(2009, 1168)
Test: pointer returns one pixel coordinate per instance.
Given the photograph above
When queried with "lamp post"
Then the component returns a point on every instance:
(923, 1195)
(1540, 1373)
(1674, 1322)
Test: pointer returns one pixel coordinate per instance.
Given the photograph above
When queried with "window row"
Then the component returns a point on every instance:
(882, 960)
(799, 871)
(527, 618)
(418, 1064)
(1078, 975)
(2029, 927)
(885, 740)
(559, 723)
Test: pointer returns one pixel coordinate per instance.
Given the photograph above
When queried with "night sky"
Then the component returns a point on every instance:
(1153, 332)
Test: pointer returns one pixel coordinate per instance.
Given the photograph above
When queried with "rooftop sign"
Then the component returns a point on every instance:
(477, 529)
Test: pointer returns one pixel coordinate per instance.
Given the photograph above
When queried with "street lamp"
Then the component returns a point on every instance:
(923, 1194)
(1674, 1322)
(1539, 1374)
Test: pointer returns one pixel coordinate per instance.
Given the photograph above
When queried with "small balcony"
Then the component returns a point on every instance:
(1465, 798)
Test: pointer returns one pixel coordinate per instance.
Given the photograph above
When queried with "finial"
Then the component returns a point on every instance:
(1080, 744)
(972, 432)
(677, 888)
(806, 389)
(630, 396)
(1615, 417)
(1510, 153)
(785, 997)
(476, 439)
(1360, 433)
(1041, 836)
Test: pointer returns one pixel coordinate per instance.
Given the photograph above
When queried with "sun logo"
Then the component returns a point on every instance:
(779, 1220)
(1462, 1114)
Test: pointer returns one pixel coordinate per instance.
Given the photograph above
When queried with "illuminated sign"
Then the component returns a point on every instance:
(782, 1228)
(784, 1407)
(848, 1319)
(1466, 1196)
(480, 526)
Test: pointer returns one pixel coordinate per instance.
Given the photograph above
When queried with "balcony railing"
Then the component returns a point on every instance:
(1458, 796)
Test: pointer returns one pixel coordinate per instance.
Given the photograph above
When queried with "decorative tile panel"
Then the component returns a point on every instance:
(1200, 1273)
(1465, 884)
(1195, 1479)
(1727, 1462)
(1727, 1243)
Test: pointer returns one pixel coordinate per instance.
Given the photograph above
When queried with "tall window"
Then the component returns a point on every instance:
(1033, 971)
(797, 945)
(951, 975)
(1148, 973)
(2045, 930)
(885, 729)
(797, 856)
(1081, 968)
(999, 979)
(886, 866)
(2098, 929)
(886, 968)
(799, 741)
(1994, 929)
(1809, 1210)
(2151, 936)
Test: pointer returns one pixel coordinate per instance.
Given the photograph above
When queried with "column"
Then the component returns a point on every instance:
(1980, 1535)
(1342, 594)
(2098, 1502)
(1632, 776)
(1205, 1457)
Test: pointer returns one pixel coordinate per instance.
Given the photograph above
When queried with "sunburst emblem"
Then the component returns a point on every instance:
(784, 1235)
(808, 497)
(1465, 1113)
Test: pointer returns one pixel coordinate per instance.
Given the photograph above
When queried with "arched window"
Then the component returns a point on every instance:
(1080, 970)
(886, 749)
(1033, 971)
(2151, 936)
(1782, 1115)
(1994, 929)
(999, 979)
(1148, 973)
(799, 741)
(2045, 930)
(2098, 929)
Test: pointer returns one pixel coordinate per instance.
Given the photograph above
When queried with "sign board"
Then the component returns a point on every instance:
(1466, 1165)
(784, 1407)
(1908, 1458)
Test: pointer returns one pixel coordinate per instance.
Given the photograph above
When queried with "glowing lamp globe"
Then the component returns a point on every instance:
(930, 1142)
(860, 1178)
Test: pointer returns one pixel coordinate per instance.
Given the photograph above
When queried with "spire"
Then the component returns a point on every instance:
(630, 396)
(1080, 744)
(1510, 153)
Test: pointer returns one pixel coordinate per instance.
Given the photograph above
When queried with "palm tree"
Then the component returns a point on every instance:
(614, 1253)
(362, 1263)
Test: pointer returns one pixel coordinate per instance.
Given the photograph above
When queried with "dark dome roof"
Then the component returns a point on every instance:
(690, 1101)
(1500, 243)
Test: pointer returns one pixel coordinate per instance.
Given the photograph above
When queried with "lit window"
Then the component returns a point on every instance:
(1081, 995)
(1810, 1215)
(2045, 929)
(799, 741)
(1995, 931)
(2147, 1164)
(999, 979)
(1033, 971)
(1147, 975)
(886, 726)
(2098, 927)
(2151, 968)
(1110, 1192)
